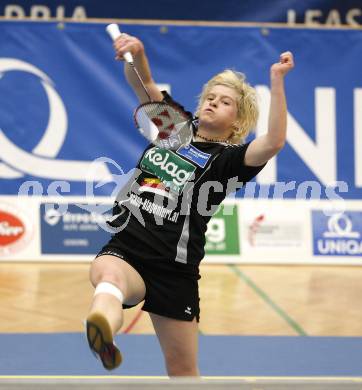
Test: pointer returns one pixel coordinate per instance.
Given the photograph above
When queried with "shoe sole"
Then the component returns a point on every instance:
(100, 340)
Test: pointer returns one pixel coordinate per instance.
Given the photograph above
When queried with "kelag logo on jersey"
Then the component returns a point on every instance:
(172, 170)
(74, 231)
(337, 235)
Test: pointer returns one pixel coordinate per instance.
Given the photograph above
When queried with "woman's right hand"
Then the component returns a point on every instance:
(127, 43)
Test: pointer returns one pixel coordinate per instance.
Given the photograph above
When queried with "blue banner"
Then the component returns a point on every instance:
(75, 230)
(65, 102)
(330, 12)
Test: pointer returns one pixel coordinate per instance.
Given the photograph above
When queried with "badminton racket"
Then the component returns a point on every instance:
(163, 124)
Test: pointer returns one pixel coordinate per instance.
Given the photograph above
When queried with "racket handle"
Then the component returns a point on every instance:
(114, 32)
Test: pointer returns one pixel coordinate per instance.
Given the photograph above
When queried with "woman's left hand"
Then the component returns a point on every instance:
(284, 66)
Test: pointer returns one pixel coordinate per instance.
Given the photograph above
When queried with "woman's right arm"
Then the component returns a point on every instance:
(132, 44)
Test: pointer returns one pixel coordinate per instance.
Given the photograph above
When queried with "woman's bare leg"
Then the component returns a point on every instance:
(179, 343)
(116, 283)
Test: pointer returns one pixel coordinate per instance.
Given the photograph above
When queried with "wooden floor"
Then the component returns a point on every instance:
(235, 300)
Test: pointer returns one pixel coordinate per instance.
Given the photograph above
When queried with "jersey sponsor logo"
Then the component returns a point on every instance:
(153, 208)
(154, 185)
(172, 170)
(195, 155)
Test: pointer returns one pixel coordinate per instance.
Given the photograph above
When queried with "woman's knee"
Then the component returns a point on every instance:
(105, 273)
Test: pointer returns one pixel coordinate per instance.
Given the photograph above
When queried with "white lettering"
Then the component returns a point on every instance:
(333, 18)
(325, 169)
(39, 12)
(282, 187)
(75, 242)
(14, 11)
(60, 13)
(7, 230)
(310, 16)
(302, 191)
(339, 247)
(30, 186)
(351, 15)
(180, 176)
(249, 191)
(79, 13)
(336, 204)
(171, 168)
(84, 218)
(264, 191)
(291, 17)
(154, 208)
(216, 230)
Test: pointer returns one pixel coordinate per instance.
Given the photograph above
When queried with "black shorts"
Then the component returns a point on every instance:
(171, 287)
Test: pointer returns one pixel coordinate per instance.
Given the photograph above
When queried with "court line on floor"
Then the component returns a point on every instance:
(292, 323)
(246, 378)
(133, 322)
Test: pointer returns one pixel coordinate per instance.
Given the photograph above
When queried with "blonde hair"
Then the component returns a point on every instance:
(247, 105)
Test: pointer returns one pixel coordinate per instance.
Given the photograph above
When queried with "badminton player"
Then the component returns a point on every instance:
(161, 217)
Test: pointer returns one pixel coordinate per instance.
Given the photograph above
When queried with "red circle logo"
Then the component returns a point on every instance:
(12, 228)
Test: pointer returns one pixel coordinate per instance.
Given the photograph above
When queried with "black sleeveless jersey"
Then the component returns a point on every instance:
(161, 214)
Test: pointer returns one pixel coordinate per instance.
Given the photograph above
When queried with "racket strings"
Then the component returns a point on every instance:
(163, 124)
(164, 117)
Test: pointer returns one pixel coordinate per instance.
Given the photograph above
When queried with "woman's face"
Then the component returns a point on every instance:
(219, 109)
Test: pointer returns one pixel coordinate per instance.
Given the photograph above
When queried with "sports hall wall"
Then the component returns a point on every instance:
(67, 138)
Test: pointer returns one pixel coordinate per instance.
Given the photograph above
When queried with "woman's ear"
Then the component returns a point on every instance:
(236, 126)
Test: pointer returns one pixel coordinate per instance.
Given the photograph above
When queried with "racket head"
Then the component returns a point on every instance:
(163, 124)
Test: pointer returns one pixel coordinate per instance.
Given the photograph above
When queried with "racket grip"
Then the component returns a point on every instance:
(114, 32)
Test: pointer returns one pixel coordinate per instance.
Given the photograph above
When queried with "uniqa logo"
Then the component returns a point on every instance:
(340, 239)
(180, 176)
(340, 225)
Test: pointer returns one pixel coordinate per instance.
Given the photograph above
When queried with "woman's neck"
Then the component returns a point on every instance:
(211, 135)
(202, 138)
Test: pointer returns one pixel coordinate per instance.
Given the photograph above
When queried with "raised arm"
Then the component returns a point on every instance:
(266, 146)
(132, 44)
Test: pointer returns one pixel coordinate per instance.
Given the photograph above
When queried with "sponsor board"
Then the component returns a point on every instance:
(338, 234)
(222, 236)
(29, 231)
(74, 231)
(265, 233)
(274, 227)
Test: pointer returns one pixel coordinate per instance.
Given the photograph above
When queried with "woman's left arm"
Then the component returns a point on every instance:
(266, 146)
